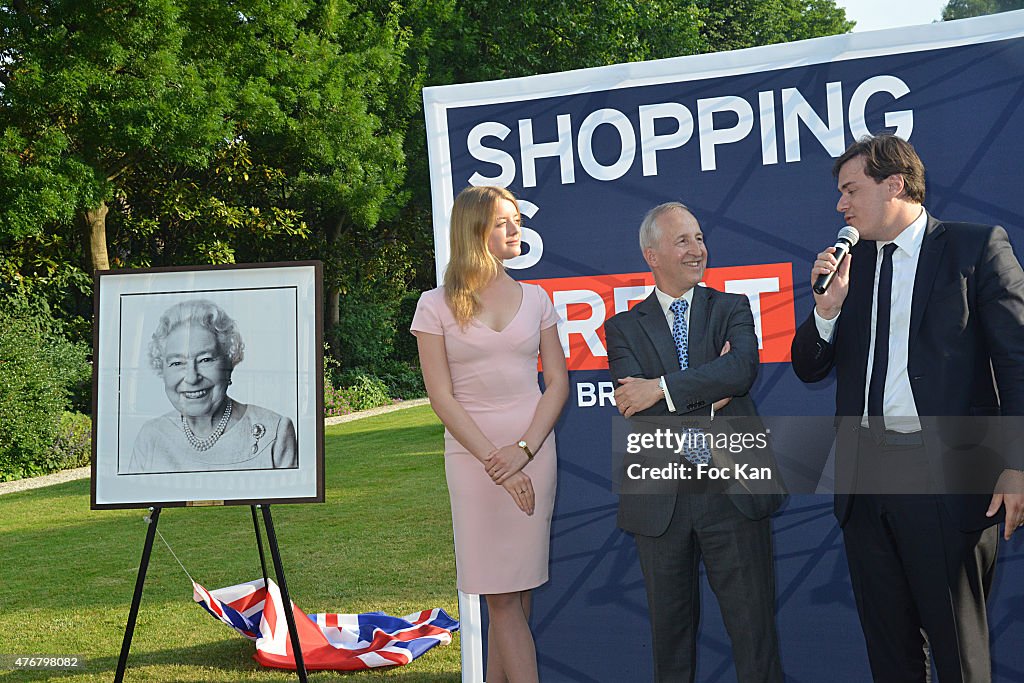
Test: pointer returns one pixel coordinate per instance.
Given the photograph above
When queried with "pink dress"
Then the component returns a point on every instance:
(498, 548)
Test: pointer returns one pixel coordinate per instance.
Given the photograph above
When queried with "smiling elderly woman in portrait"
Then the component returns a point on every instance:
(194, 350)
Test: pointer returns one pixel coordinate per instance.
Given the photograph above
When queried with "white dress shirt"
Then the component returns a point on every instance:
(899, 408)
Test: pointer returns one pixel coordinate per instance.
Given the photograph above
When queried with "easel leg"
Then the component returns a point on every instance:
(133, 613)
(259, 543)
(275, 553)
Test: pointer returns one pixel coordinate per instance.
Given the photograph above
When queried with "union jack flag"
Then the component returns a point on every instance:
(343, 642)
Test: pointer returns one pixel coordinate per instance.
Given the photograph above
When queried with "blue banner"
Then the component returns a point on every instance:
(747, 140)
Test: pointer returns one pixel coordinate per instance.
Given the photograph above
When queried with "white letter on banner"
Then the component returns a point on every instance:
(650, 142)
(710, 136)
(531, 237)
(753, 288)
(903, 120)
(769, 142)
(623, 295)
(627, 144)
(588, 327)
(586, 394)
(561, 148)
(474, 144)
(796, 109)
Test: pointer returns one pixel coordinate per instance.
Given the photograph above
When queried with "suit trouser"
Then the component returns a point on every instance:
(920, 584)
(737, 553)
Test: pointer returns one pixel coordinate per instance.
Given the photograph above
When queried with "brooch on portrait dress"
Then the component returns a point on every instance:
(258, 430)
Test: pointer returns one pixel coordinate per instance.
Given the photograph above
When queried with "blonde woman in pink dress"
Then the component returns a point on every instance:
(479, 337)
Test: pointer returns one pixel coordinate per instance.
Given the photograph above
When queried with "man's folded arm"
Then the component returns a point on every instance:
(731, 374)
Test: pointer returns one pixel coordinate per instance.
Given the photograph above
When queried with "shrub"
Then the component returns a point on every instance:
(74, 372)
(364, 391)
(365, 332)
(36, 372)
(405, 341)
(403, 380)
(335, 401)
(72, 446)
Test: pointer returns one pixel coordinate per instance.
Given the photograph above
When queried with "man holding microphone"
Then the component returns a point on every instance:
(923, 318)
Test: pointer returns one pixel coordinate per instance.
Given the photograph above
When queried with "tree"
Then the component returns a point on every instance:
(194, 131)
(175, 132)
(92, 89)
(736, 24)
(964, 9)
(316, 157)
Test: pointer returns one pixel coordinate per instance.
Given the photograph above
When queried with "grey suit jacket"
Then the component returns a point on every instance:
(640, 344)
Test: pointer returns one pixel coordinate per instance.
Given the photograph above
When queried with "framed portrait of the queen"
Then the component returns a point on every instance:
(208, 386)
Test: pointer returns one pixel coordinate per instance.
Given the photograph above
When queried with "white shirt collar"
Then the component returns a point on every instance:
(665, 300)
(911, 238)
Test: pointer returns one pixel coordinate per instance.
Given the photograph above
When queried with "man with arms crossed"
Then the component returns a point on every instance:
(664, 355)
(923, 318)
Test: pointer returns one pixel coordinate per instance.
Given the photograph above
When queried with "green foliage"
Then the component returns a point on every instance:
(376, 279)
(181, 132)
(736, 24)
(964, 9)
(405, 341)
(402, 379)
(354, 390)
(72, 445)
(193, 132)
(336, 401)
(36, 372)
(365, 331)
(363, 391)
(346, 391)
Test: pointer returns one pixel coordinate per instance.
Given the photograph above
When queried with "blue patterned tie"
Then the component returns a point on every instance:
(696, 452)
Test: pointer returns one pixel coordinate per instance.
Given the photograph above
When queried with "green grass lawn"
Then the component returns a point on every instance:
(382, 541)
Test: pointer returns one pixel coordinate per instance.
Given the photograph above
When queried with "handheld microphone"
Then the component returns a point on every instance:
(844, 242)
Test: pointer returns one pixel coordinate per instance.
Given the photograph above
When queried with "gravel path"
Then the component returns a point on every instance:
(83, 472)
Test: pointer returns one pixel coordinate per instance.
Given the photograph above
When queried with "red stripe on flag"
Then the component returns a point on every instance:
(246, 601)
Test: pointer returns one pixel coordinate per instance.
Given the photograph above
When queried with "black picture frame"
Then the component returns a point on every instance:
(143, 454)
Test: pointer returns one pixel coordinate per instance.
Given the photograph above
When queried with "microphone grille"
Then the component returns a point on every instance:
(849, 234)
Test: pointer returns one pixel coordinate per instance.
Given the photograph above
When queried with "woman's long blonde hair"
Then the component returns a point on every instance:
(472, 266)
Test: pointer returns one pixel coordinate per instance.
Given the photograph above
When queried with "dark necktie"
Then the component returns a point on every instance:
(880, 365)
(695, 451)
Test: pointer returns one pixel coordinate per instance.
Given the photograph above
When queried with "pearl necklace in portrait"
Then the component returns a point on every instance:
(207, 443)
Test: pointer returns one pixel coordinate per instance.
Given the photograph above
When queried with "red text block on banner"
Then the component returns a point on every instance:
(586, 302)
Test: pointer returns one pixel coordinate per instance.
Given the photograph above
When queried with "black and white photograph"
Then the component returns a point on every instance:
(206, 386)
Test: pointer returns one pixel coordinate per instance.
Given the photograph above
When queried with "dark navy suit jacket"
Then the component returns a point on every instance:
(966, 354)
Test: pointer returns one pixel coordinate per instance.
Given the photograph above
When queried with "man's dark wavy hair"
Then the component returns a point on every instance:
(886, 155)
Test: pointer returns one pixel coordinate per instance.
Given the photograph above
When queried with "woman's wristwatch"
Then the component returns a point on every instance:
(526, 449)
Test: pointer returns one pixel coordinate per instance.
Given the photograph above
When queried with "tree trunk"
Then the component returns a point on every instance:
(334, 293)
(96, 236)
(333, 306)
